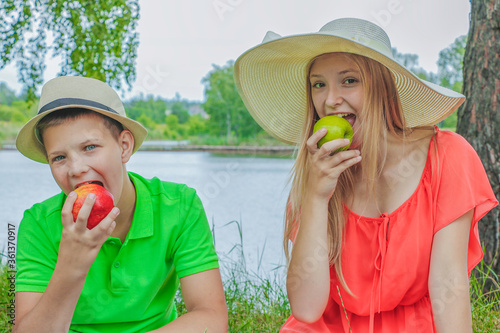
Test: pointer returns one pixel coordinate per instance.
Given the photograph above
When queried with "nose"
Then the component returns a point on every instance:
(77, 167)
(334, 97)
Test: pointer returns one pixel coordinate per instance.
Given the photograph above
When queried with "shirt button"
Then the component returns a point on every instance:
(117, 264)
(112, 242)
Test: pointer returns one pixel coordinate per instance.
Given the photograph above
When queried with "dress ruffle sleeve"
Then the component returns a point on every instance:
(460, 184)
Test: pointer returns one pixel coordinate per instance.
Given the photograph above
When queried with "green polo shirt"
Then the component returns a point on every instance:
(131, 286)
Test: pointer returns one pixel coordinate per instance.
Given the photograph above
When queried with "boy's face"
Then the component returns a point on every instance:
(83, 150)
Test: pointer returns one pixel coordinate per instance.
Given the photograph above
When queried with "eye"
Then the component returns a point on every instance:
(58, 158)
(90, 147)
(350, 80)
(318, 85)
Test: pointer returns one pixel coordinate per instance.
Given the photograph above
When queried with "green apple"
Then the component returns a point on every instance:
(338, 128)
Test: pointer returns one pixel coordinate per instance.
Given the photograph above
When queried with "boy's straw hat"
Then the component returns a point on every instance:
(75, 92)
(272, 77)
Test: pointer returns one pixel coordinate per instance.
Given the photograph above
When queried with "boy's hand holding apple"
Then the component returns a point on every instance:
(103, 204)
(80, 244)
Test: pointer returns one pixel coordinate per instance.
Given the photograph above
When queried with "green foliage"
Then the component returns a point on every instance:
(228, 115)
(450, 75)
(14, 112)
(450, 64)
(410, 62)
(153, 107)
(7, 96)
(146, 121)
(94, 39)
(179, 109)
(174, 130)
(197, 125)
(450, 122)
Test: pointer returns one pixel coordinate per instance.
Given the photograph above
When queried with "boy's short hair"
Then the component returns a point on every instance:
(61, 116)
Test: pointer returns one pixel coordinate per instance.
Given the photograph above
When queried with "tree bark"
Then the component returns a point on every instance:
(479, 116)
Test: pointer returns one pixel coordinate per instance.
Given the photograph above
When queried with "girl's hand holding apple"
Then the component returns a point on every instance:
(325, 168)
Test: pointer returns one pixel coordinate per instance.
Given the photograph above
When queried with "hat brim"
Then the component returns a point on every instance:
(272, 77)
(29, 145)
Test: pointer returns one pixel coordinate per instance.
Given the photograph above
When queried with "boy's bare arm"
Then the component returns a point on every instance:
(205, 302)
(53, 310)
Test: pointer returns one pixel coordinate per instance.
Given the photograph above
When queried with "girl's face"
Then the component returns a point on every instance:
(336, 87)
(84, 150)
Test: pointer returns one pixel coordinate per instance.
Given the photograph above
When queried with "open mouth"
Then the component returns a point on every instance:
(350, 117)
(90, 182)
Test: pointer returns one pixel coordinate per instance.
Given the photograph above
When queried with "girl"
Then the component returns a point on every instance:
(384, 234)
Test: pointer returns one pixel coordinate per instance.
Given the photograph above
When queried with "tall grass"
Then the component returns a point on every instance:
(257, 302)
(485, 299)
(5, 299)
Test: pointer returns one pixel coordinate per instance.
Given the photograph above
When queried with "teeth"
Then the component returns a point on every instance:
(343, 115)
(91, 182)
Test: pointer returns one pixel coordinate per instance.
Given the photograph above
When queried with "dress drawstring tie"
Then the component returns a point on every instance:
(383, 240)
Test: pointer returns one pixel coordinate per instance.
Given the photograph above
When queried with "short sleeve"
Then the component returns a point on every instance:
(194, 250)
(461, 184)
(37, 252)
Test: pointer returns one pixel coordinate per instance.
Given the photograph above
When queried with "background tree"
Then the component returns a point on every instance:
(228, 114)
(410, 61)
(153, 107)
(479, 117)
(450, 73)
(450, 64)
(179, 109)
(93, 38)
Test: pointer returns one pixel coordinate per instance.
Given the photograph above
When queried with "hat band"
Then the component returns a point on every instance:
(74, 101)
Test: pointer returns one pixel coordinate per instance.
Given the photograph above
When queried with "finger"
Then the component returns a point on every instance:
(107, 225)
(66, 211)
(330, 147)
(84, 213)
(312, 142)
(341, 156)
(348, 163)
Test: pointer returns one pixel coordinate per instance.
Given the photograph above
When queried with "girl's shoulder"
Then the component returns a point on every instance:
(453, 146)
(445, 139)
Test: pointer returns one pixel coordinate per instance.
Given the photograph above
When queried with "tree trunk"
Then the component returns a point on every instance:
(479, 117)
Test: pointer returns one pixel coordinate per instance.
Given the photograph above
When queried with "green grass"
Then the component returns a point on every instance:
(260, 304)
(485, 299)
(5, 299)
(255, 303)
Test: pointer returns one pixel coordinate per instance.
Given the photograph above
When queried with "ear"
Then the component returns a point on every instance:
(126, 142)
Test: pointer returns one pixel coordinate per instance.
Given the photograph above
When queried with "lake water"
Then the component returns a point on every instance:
(250, 190)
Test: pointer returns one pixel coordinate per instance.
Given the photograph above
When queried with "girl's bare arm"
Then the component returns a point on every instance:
(449, 279)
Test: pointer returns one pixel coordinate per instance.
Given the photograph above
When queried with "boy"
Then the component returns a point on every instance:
(122, 275)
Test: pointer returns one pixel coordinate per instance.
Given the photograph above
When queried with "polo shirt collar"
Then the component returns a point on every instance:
(142, 223)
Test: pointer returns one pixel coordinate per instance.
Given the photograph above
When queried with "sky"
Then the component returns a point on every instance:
(181, 40)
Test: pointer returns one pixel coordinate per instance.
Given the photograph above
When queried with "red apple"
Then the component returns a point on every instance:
(104, 203)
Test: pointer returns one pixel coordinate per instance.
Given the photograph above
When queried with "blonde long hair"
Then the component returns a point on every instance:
(382, 113)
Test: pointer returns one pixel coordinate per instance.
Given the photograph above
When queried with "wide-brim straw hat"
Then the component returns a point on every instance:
(272, 77)
(66, 92)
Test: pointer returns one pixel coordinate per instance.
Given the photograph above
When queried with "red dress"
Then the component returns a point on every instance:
(385, 260)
